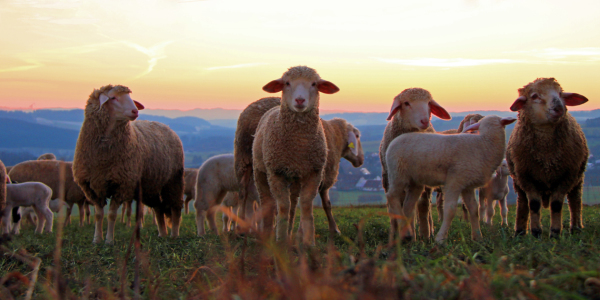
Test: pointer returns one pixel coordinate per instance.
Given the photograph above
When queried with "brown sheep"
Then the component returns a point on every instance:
(190, 177)
(3, 179)
(495, 191)
(290, 150)
(48, 172)
(124, 159)
(547, 154)
(411, 112)
(47, 156)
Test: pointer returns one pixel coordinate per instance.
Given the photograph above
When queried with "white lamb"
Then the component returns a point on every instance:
(419, 160)
(495, 190)
(34, 194)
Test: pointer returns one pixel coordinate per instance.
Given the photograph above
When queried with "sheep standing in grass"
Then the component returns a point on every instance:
(411, 112)
(121, 158)
(290, 150)
(34, 194)
(216, 177)
(418, 160)
(495, 191)
(29, 213)
(232, 202)
(547, 154)
(56, 175)
(190, 178)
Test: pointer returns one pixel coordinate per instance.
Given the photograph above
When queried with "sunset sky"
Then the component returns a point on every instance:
(470, 54)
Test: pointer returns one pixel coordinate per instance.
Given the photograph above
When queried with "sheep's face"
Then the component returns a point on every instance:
(415, 106)
(354, 152)
(488, 123)
(469, 120)
(545, 102)
(502, 169)
(300, 94)
(120, 106)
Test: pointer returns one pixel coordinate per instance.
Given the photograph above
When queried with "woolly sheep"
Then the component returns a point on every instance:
(547, 154)
(29, 213)
(47, 156)
(290, 149)
(232, 203)
(190, 178)
(121, 158)
(215, 179)
(49, 173)
(34, 194)
(495, 191)
(411, 112)
(417, 160)
(3, 179)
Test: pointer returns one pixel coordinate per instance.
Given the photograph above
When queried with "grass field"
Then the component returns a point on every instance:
(356, 265)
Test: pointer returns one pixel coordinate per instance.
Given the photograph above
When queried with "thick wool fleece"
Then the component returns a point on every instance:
(47, 156)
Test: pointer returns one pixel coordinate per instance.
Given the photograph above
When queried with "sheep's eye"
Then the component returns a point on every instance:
(314, 84)
(287, 83)
(534, 96)
(113, 98)
(406, 104)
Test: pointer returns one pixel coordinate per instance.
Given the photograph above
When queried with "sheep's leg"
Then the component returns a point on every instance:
(235, 211)
(129, 208)
(412, 196)
(294, 194)
(160, 222)
(112, 220)
(99, 215)
(212, 211)
(450, 203)
(465, 211)
(395, 197)
(81, 208)
(281, 192)
(68, 216)
(200, 217)
(310, 188)
(333, 228)
(6, 218)
(484, 206)
(575, 207)
(267, 203)
(424, 213)
(503, 211)
(556, 205)
(535, 205)
(123, 208)
(471, 204)
(175, 221)
(226, 220)
(522, 218)
(489, 206)
(41, 219)
(186, 204)
(439, 203)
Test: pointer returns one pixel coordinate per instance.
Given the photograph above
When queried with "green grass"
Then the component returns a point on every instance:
(500, 266)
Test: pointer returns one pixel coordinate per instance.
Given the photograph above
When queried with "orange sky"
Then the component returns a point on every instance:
(471, 55)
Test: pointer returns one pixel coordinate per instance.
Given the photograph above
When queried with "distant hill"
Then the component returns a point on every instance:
(17, 134)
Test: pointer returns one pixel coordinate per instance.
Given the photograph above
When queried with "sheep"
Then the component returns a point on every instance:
(118, 157)
(343, 140)
(290, 149)
(3, 181)
(29, 213)
(190, 178)
(547, 155)
(496, 189)
(417, 160)
(54, 174)
(232, 202)
(411, 112)
(216, 177)
(47, 156)
(439, 201)
(34, 194)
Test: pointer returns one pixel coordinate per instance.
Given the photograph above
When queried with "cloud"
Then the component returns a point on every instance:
(32, 65)
(445, 62)
(557, 53)
(154, 53)
(235, 66)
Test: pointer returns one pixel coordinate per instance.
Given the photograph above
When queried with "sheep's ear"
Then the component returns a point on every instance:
(103, 99)
(352, 142)
(438, 110)
(395, 107)
(471, 127)
(327, 87)
(518, 104)
(507, 121)
(274, 86)
(573, 99)
(138, 105)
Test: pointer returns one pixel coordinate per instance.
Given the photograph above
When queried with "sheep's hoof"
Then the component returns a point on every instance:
(111, 242)
(407, 239)
(520, 232)
(555, 233)
(575, 230)
(536, 232)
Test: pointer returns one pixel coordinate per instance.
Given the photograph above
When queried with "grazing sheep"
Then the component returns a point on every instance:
(411, 112)
(216, 177)
(34, 194)
(418, 160)
(495, 190)
(547, 155)
(290, 149)
(49, 173)
(47, 156)
(190, 178)
(232, 202)
(120, 158)
(468, 120)
(29, 213)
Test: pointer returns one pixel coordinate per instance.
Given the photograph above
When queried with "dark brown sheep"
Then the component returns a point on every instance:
(190, 177)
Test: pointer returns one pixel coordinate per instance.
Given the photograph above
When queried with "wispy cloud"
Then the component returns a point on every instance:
(32, 64)
(557, 53)
(445, 62)
(154, 53)
(235, 66)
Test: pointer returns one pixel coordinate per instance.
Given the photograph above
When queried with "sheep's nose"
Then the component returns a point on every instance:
(300, 101)
(425, 122)
(134, 111)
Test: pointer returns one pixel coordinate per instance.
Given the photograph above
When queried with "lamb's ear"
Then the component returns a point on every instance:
(507, 120)
(352, 142)
(438, 110)
(327, 87)
(103, 99)
(274, 86)
(471, 127)
(573, 99)
(395, 107)
(138, 105)
(518, 104)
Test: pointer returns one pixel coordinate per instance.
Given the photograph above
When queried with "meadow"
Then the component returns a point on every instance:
(359, 264)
